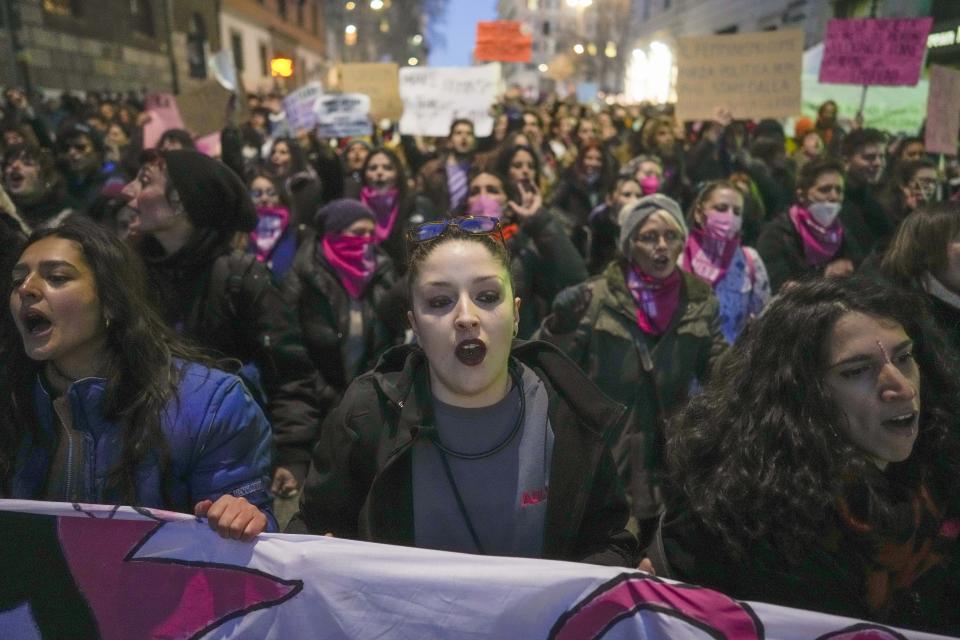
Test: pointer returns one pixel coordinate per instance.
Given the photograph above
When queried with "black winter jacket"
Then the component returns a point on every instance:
(313, 288)
(227, 303)
(360, 484)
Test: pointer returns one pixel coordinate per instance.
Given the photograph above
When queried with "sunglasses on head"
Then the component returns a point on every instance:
(472, 225)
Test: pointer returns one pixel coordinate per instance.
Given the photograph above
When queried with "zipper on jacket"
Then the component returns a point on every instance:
(68, 478)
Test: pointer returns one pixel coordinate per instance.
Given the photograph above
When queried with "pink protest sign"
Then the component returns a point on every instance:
(209, 144)
(874, 51)
(164, 114)
(943, 111)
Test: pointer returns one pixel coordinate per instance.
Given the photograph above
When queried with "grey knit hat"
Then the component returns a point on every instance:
(633, 215)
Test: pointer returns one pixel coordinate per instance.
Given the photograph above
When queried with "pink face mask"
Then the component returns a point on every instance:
(723, 224)
(649, 184)
(484, 205)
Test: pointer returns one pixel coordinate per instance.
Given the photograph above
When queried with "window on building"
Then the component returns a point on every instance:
(64, 7)
(666, 4)
(264, 61)
(314, 19)
(301, 10)
(196, 47)
(282, 8)
(546, 28)
(236, 45)
(731, 29)
(141, 17)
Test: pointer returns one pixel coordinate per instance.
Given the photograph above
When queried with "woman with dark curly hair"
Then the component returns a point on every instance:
(829, 482)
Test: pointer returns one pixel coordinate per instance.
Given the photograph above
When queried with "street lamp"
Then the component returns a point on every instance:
(376, 5)
(578, 49)
(543, 68)
(611, 50)
(579, 4)
(350, 6)
(416, 40)
(413, 61)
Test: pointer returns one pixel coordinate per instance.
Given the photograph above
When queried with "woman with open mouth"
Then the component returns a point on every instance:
(647, 333)
(819, 468)
(101, 403)
(470, 441)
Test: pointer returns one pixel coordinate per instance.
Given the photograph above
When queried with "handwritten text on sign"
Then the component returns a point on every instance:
(753, 75)
(874, 51)
(434, 97)
(342, 115)
(300, 106)
(943, 110)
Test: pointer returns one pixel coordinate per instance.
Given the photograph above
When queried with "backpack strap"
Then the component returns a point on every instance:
(751, 266)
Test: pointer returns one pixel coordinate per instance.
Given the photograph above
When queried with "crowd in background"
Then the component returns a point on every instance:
(683, 286)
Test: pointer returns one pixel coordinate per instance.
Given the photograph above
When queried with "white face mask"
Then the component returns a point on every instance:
(824, 212)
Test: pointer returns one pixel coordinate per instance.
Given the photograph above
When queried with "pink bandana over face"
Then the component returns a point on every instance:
(484, 205)
(708, 255)
(657, 300)
(820, 244)
(385, 206)
(352, 258)
(271, 223)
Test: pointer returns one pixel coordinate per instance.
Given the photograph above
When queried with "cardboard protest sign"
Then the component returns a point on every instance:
(503, 41)
(943, 111)
(874, 51)
(752, 75)
(343, 115)
(204, 108)
(300, 106)
(433, 97)
(379, 80)
(164, 114)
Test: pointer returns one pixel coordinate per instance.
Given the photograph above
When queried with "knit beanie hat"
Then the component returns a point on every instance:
(634, 214)
(338, 215)
(212, 194)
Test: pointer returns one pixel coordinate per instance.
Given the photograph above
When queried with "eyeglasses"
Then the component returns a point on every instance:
(260, 193)
(652, 238)
(472, 225)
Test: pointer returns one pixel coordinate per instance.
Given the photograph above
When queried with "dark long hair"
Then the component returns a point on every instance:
(760, 456)
(506, 155)
(401, 185)
(920, 244)
(141, 367)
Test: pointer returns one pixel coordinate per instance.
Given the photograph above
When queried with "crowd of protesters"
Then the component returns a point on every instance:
(718, 351)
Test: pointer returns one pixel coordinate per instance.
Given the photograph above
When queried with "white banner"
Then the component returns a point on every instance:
(300, 106)
(433, 97)
(342, 115)
(152, 574)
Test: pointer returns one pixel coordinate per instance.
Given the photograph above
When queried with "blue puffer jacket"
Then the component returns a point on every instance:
(218, 437)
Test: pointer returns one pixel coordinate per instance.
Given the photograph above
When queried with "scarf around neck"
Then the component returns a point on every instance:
(709, 256)
(352, 259)
(892, 562)
(385, 206)
(820, 244)
(657, 300)
(272, 222)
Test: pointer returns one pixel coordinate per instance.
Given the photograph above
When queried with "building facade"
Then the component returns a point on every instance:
(256, 31)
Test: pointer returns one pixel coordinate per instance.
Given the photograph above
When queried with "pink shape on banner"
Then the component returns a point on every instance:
(628, 594)
(158, 597)
(209, 145)
(164, 115)
(874, 51)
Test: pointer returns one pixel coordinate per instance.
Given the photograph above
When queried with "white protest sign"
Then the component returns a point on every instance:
(224, 69)
(434, 97)
(300, 106)
(343, 115)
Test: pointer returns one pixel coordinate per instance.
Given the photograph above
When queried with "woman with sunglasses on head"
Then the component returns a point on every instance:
(274, 240)
(819, 469)
(469, 441)
(338, 283)
(810, 239)
(543, 258)
(647, 333)
(714, 252)
(100, 402)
